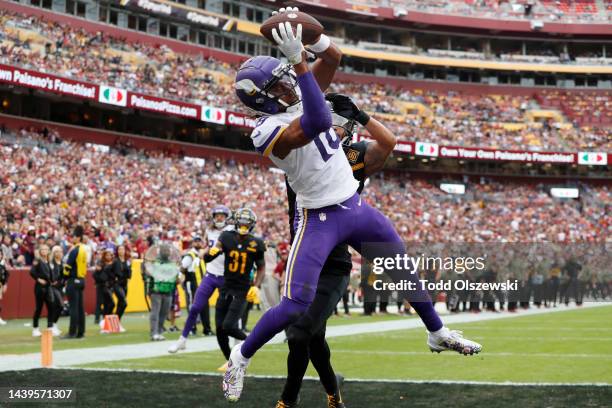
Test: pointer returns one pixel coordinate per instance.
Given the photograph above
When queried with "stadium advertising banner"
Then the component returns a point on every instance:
(427, 149)
(593, 158)
(473, 153)
(240, 120)
(176, 11)
(401, 146)
(213, 115)
(151, 103)
(112, 96)
(47, 82)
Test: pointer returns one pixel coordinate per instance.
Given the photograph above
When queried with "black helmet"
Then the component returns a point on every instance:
(245, 220)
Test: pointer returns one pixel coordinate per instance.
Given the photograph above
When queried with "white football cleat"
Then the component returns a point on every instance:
(233, 380)
(122, 329)
(445, 339)
(2, 322)
(181, 344)
(36, 332)
(56, 331)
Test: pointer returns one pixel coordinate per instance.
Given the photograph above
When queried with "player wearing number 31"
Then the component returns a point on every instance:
(242, 250)
(295, 132)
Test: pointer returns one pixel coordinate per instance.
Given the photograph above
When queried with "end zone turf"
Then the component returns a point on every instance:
(132, 389)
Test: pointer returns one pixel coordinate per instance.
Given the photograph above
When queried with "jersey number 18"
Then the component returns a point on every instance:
(327, 143)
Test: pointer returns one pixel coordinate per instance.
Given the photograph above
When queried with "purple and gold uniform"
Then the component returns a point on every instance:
(329, 210)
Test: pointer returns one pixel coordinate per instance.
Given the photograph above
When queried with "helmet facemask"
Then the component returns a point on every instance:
(345, 128)
(245, 220)
(219, 224)
(281, 88)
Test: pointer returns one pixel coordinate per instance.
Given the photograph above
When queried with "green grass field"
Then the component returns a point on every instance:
(16, 336)
(571, 348)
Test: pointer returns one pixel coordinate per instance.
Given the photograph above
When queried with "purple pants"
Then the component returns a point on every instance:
(317, 232)
(203, 293)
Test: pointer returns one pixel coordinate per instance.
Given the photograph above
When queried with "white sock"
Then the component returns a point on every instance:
(441, 331)
(241, 359)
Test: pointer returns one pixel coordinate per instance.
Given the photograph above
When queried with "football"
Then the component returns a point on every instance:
(311, 28)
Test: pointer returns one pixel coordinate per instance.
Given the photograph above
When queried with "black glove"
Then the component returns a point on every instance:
(343, 105)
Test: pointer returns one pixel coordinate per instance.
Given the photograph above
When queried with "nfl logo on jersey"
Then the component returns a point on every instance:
(322, 217)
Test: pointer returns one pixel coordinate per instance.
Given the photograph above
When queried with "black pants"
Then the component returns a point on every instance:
(99, 303)
(571, 292)
(538, 294)
(553, 290)
(245, 315)
(58, 300)
(44, 296)
(104, 294)
(119, 292)
(306, 338)
(74, 291)
(230, 307)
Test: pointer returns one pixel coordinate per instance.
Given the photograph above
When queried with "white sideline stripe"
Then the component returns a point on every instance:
(499, 354)
(357, 380)
(75, 356)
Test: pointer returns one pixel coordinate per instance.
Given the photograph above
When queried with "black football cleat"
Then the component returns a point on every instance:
(335, 401)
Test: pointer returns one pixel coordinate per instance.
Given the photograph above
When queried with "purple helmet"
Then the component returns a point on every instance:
(221, 209)
(255, 80)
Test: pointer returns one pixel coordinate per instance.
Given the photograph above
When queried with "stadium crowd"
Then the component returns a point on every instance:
(548, 10)
(447, 118)
(124, 196)
(129, 200)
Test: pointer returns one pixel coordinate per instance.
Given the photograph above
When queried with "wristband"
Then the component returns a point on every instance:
(362, 117)
(321, 45)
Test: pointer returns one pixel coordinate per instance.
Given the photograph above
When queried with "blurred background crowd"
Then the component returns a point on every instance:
(455, 118)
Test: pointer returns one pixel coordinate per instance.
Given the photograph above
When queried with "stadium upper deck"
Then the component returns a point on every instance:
(492, 119)
(430, 41)
(567, 11)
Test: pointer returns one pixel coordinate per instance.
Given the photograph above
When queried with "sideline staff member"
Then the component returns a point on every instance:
(75, 271)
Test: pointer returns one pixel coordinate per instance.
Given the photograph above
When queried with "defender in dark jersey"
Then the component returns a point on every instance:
(242, 250)
(306, 337)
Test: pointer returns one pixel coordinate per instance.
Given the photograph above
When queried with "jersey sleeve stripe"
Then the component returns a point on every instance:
(268, 145)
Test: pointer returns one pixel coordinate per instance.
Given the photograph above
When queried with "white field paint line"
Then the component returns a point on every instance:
(484, 354)
(76, 356)
(358, 380)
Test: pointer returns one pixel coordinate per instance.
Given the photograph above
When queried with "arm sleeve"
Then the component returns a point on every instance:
(34, 271)
(261, 252)
(317, 116)
(210, 258)
(260, 260)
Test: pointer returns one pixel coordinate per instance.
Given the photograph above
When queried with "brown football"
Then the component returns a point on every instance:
(311, 28)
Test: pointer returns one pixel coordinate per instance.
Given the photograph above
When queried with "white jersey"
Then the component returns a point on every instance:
(217, 265)
(318, 175)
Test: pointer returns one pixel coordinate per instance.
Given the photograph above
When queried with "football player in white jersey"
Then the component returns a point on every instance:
(213, 278)
(295, 132)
